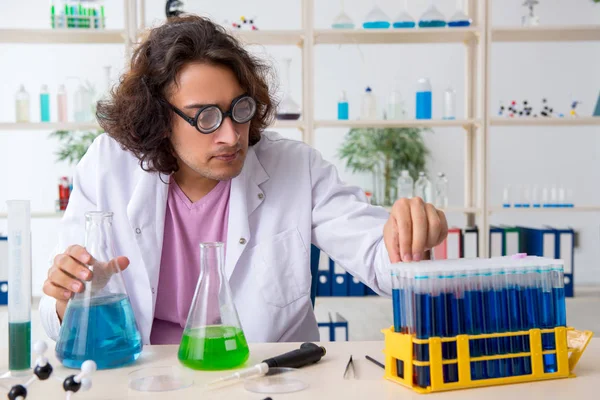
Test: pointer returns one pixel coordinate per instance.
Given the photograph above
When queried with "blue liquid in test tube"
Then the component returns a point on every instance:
(531, 301)
(514, 319)
(474, 324)
(491, 323)
(424, 327)
(397, 307)
(454, 311)
(547, 319)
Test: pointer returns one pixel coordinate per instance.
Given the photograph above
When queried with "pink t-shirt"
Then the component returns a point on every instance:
(187, 224)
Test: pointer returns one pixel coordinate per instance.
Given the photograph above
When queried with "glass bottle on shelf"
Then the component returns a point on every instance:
(459, 19)
(342, 20)
(288, 109)
(22, 105)
(61, 102)
(432, 18)
(376, 19)
(404, 19)
(395, 106)
(368, 109)
(44, 104)
(530, 19)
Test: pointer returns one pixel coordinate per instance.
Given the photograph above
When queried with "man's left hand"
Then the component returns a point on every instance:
(413, 228)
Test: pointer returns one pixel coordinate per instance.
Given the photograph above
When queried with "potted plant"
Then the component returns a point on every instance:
(385, 152)
(74, 144)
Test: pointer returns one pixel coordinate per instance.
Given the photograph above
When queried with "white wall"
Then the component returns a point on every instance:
(560, 72)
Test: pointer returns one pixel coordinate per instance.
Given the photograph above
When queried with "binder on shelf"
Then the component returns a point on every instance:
(470, 242)
(324, 275)
(451, 247)
(3, 270)
(355, 287)
(512, 240)
(565, 245)
(496, 241)
(539, 242)
(334, 329)
(339, 281)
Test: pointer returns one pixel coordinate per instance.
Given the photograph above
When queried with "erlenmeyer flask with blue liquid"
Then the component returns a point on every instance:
(99, 323)
(432, 18)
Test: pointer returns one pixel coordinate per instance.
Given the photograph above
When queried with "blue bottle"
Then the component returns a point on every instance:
(423, 99)
(44, 104)
(342, 106)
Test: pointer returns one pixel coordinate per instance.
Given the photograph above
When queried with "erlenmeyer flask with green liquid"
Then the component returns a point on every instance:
(213, 338)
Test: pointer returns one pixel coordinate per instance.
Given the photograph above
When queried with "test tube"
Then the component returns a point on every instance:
(491, 324)
(473, 322)
(547, 319)
(501, 294)
(397, 307)
(423, 324)
(531, 308)
(19, 284)
(514, 317)
(558, 294)
(450, 325)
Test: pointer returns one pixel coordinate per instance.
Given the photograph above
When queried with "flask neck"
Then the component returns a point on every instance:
(98, 236)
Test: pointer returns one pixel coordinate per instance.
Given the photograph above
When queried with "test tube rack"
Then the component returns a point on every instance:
(399, 351)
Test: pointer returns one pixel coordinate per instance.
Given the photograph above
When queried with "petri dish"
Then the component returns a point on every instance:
(277, 380)
(160, 379)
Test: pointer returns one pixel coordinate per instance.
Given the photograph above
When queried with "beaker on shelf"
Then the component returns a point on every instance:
(213, 338)
(99, 323)
(404, 19)
(288, 109)
(342, 20)
(459, 18)
(376, 19)
(432, 18)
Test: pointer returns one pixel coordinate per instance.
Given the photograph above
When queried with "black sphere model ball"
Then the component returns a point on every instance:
(44, 372)
(17, 391)
(70, 385)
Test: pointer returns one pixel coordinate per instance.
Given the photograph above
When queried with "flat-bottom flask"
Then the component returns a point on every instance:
(99, 323)
(213, 338)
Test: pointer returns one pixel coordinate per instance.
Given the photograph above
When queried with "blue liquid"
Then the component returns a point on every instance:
(104, 331)
(514, 325)
(474, 326)
(491, 325)
(342, 26)
(459, 24)
(423, 105)
(404, 24)
(376, 25)
(531, 319)
(45, 107)
(503, 343)
(435, 23)
(343, 110)
(424, 328)
(560, 312)
(546, 322)
(450, 329)
(396, 304)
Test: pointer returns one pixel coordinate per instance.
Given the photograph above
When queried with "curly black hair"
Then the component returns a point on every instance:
(137, 114)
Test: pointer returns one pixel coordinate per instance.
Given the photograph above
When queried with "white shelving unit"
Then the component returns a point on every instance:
(478, 40)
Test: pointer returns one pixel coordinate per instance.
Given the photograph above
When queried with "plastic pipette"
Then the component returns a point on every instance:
(308, 353)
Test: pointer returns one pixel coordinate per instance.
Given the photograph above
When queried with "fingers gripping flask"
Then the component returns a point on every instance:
(99, 323)
(213, 338)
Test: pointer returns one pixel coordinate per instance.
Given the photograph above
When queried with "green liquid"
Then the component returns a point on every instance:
(213, 348)
(19, 347)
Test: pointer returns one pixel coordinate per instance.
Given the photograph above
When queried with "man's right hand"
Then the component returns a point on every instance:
(67, 274)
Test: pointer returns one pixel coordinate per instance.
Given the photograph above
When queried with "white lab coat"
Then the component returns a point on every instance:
(285, 198)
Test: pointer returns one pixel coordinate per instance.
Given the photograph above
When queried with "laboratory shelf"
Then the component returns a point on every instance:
(288, 124)
(43, 214)
(546, 33)
(409, 123)
(543, 121)
(48, 126)
(391, 36)
(62, 36)
(576, 209)
(271, 37)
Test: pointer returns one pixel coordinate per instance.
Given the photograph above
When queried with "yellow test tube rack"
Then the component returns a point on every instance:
(399, 346)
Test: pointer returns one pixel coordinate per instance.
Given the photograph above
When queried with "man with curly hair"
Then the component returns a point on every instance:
(186, 159)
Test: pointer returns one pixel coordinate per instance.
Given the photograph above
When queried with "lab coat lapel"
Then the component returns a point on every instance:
(146, 213)
(244, 198)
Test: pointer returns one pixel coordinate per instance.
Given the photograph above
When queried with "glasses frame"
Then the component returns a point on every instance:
(224, 114)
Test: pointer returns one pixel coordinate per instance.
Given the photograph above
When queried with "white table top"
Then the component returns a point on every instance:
(325, 378)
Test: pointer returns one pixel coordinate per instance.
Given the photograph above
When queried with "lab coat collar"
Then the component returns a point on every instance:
(244, 198)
